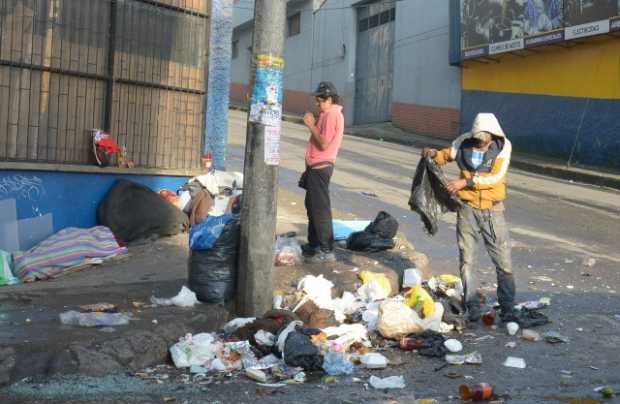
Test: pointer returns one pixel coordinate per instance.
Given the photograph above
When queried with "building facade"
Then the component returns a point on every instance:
(133, 68)
(550, 71)
(388, 59)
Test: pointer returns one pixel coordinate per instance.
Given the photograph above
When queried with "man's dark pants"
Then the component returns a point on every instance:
(319, 209)
(491, 225)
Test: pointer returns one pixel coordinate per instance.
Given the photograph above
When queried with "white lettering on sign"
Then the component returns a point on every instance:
(584, 30)
(472, 53)
(506, 46)
(544, 39)
(615, 25)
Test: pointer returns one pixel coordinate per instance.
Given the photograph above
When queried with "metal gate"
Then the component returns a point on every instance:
(135, 68)
(374, 63)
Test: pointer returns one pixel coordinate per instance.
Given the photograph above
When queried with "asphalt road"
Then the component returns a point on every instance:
(565, 240)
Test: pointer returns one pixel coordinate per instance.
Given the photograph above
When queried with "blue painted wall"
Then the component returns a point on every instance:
(72, 198)
(552, 125)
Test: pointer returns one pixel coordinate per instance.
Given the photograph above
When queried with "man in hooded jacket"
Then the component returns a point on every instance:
(483, 157)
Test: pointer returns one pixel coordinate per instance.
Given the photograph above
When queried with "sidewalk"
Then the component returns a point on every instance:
(34, 343)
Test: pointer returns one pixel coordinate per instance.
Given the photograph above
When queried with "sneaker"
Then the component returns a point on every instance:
(321, 257)
(308, 251)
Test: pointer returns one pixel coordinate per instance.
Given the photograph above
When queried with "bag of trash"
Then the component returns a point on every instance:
(134, 211)
(531, 318)
(384, 225)
(204, 235)
(368, 242)
(288, 251)
(299, 351)
(199, 350)
(212, 273)
(397, 320)
(429, 197)
(6, 273)
(430, 343)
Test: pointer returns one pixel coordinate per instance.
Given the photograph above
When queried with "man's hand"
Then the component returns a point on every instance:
(428, 152)
(309, 119)
(456, 185)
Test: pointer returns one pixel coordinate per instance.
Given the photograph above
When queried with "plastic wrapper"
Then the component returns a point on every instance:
(337, 364)
(288, 251)
(93, 319)
(429, 196)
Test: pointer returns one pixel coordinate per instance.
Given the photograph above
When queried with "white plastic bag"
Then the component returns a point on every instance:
(412, 278)
(372, 291)
(371, 316)
(392, 382)
(234, 325)
(265, 338)
(199, 349)
(318, 289)
(185, 298)
(344, 306)
(288, 251)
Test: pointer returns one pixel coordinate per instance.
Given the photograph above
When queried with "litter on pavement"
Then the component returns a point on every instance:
(185, 298)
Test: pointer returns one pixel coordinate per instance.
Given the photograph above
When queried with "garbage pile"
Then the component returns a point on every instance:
(316, 332)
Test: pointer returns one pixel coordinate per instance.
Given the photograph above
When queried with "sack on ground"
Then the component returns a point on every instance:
(133, 211)
(384, 225)
(212, 273)
(368, 242)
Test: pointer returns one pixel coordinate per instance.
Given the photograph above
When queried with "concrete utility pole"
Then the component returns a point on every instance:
(258, 215)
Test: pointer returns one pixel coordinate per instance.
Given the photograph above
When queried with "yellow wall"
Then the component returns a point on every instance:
(589, 69)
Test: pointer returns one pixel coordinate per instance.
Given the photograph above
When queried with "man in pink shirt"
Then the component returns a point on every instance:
(323, 145)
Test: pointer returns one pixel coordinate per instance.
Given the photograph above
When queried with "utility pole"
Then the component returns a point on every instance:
(258, 214)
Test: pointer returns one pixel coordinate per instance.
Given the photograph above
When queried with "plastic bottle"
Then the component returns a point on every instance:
(479, 392)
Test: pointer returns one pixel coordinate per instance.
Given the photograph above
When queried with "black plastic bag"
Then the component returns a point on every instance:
(213, 273)
(299, 351)
(531, 318)
(384, 225)
(134, 211)
(429, 196)
(430, 344)
(368, 242)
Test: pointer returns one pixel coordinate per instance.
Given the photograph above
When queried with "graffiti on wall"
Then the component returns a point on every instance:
(22, 187)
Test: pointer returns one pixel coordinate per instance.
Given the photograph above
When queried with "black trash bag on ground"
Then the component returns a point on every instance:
(368, 242)
(528, 318)
(133, 211)
(384, 225)
(299, 351)
(430, 344)
(429, 197)
(213, 273)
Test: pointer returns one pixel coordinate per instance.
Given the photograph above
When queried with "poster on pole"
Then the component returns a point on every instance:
(272, 145)
(268, 91)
